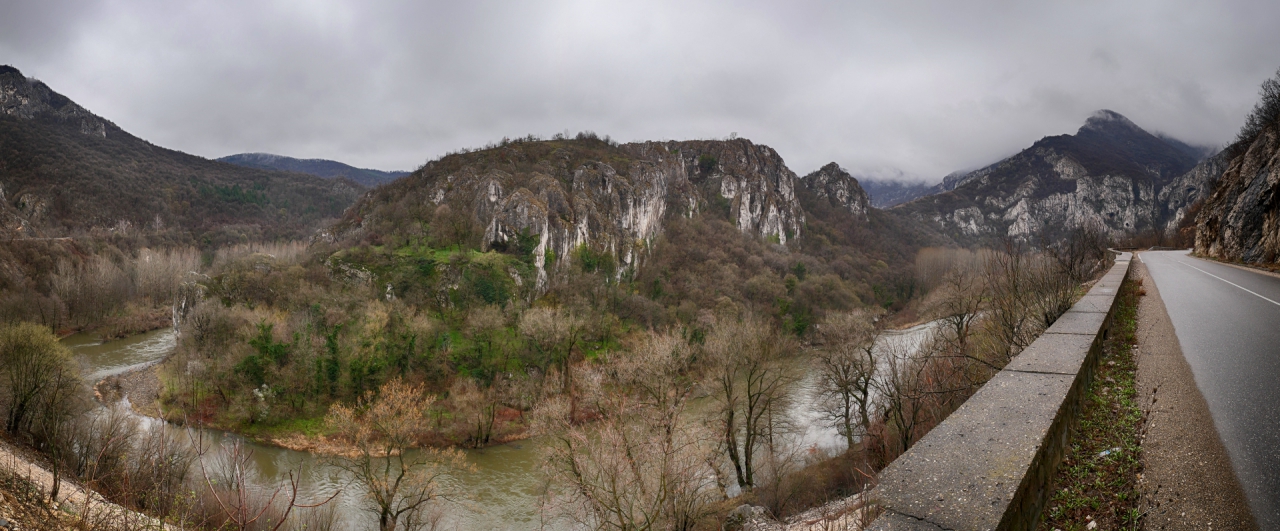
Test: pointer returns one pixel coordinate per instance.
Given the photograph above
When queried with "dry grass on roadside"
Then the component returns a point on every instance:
(1098, 478)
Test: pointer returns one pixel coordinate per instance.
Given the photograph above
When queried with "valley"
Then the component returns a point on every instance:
(564, 332)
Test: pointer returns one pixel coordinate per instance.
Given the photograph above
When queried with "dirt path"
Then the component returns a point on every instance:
(89, 509)
(1188, 482)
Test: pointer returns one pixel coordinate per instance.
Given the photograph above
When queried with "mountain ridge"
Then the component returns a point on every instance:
(1106, 176)
(64, 169)
(325, 168)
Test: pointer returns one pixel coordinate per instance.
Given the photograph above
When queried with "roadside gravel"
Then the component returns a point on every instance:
(1188, 482)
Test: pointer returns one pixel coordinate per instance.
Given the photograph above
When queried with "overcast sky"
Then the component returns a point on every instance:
(924, 88)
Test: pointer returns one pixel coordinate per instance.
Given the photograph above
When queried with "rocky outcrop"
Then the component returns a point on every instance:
(1177, 197)
(562, 195)
(753, 179)
(1240, 221)
(840, 189)
(1106, 176)
(26, 98)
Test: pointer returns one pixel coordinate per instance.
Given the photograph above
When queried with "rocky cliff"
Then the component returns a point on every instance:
(1240, 220)
(841, 190)
(560, 196)
(1106, 176)
(25, 98)
(1181, 194)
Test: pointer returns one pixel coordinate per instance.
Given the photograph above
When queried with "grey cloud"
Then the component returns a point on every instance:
(880, 87)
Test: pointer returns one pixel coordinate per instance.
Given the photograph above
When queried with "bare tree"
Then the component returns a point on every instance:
(238, 505)
(904, 391)
(963, 295)
(555, 333)
(476, 407)
(1065, 265)
(642, 465)
(402, 481)
(751, 386)
(1011, 323)
(846, 363)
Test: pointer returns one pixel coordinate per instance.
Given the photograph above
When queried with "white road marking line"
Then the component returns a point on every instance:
(1229, 282)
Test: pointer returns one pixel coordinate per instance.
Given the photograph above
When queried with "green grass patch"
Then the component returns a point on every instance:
(308, 426)
(1098, 478)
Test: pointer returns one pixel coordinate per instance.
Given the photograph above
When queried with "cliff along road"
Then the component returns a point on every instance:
(1228, 322)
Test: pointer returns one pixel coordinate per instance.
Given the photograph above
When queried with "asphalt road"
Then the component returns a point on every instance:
(1228, 322)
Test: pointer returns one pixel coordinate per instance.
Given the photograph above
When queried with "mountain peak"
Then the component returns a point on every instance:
(833, 168)
(27, 98)
(1108, 120)
(833, 183)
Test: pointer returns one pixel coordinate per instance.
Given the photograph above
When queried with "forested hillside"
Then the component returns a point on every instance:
(65, 170)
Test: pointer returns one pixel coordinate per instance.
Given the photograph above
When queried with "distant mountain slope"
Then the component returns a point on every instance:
(886, 193)
(318, 167)
(63, 169)
(1200, 153)
(1107, 176)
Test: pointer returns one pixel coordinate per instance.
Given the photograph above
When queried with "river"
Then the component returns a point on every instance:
(501, 494)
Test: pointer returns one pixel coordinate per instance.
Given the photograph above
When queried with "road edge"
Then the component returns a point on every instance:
(1188, 481)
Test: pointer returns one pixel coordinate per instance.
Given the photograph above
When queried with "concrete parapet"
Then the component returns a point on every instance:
(988, 465)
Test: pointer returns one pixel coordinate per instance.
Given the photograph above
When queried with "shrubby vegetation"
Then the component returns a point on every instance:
(1265, 113)
(413, 295)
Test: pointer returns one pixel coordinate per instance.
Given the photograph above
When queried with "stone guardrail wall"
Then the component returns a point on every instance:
(988, 465)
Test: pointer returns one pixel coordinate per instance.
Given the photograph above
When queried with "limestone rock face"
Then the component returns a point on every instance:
(562, 195)
(1107, 176)
(1177, 197)
(26, 98)
(839, 188)
(1241, 219)
(753, 179)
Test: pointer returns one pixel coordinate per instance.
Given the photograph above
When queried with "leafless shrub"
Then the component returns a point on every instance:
(402, 485)
(846, 364)
(642, 465)
(751, 387)
(157, 274)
